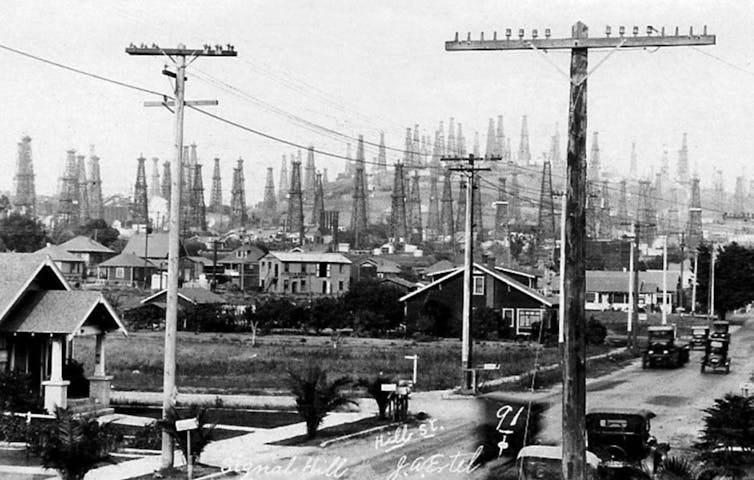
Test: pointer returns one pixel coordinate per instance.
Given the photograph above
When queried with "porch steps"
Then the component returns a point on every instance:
(88, 407)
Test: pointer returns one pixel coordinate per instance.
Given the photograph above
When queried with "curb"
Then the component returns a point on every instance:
(358, 434)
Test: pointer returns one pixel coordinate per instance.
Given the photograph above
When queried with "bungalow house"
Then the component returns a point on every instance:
(126, 270)
(241, 266)
(40, 316)
(440, 303)
(304, 273)
(91, 251)
(189, 300)
(154, 247)
(376, 268)
(70, 265)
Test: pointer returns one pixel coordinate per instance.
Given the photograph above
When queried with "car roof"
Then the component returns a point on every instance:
(721, 322)
(643, 412)
(699, 327)
(554, 452)
(660, 327)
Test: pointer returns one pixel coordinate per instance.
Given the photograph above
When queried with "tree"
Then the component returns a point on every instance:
(316, 396)
(378, 298)
(100, 231)
(734, 277)
(20, 233)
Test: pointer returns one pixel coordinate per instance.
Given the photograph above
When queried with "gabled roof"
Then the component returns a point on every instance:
(441, 267)
(63, 312)
(19, 271)
(305, 257)
(401, 282)
(383, 265)
(254, 254)
(497, 275)
(207, 262)
(84, 244)
(59, 254)
(196, 296)
(156, 245)
(512, 271)
(127, 260)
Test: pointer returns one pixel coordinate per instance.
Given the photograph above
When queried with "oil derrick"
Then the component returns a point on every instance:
(500, 138)
(508, 153)
(415, 211)
(658, 202)
(83, 191)
(350, 170)
(359, 219)
(437, 152)
(310, 173)
(524, 155)
(633, 169)
(186, 173)
(451, 148)
(623, 203)
(269, 204)
(720, 190)
(296, 203)
(501, 211)
(682, 175)
(426, 156)
(416, 148)
(25, 199)
(546, 222)
(646, 212)
(318, 211)
(556, 158)
(460, 141)
(514, 205)
(447, 226)
(490, 149)
(476, 212)
(694, 226)
(673, 220)
(154, 185)
(216, 195)
(325, 180)
(283, 181)
(750, 198)
(139, 204)
(408, 150)
(433, 214)
(476, 150)
(68, 212)
(595, 165)
(441, 147)
(238, 214)
(198, 207)
(398, 220)
(592, 189)
(461, 209)
(665, 163)
(739, 196)
(605, 226)
(166, 181)
(381, 156)
(96, 207)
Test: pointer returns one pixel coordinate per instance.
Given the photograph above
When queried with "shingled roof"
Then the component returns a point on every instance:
(18, 271)
(84, 244)
(59, 254)
(196, 296)
(156, 245)
(127, 260)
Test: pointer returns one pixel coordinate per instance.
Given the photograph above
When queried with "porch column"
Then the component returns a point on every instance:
(56, 389)
(100, 382)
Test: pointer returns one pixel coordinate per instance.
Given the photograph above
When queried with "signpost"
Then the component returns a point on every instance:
(415, 358)
(187, 425)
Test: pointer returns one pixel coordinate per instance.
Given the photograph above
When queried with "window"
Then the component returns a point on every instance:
(324, 286)
(303, 285)
(120, 272)
(478, 285)
(526, 318)
(341, 268)
(322, 273)
(591, 297)
(285, 267)
(509, 317)
(340, 286)
(285, 285)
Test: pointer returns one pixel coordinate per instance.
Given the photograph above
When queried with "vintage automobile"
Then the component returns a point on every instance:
(621, 438)
(699, 335)
(663, 348)
(540, 462)
(720, 329)
(716, 354)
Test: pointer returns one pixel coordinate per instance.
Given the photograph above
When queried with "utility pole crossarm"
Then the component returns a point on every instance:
(547, 43)
(207, 51)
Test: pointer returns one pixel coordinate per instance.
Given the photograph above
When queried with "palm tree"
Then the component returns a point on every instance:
(316, 396)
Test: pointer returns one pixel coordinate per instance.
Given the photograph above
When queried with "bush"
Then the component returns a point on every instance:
(16, 394)
(727, 439)
(200, 438)
(595, 332)
(12, 428)
(374, 388)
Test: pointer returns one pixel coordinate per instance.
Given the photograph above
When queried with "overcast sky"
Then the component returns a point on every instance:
(359, 67)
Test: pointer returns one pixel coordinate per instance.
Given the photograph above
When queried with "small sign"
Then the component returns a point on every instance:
(187, 424)
(388, 387)
(642, 317)
(491, 366)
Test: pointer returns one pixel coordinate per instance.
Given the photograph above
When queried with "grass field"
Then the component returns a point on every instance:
(228, 363)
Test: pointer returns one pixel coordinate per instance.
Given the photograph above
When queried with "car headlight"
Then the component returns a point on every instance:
(651, 352)
(664, 352)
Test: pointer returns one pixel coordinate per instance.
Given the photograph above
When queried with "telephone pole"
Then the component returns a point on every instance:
(469, 170)
(574, 351)
(181, 57)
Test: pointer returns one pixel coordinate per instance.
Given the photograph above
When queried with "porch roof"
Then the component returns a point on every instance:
(62, 312)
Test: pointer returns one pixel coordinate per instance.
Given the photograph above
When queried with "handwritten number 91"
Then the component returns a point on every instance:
(502, 414)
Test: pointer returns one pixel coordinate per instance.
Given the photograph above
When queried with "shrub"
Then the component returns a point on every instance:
(12, 428)
(374, 388)
(595, 332)
(200, 438)
(727, 439)
(316, 396)
(16, 393)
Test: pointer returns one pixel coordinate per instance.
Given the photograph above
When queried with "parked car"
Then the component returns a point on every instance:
(539, 462)
(621, 438)
(699, 335)
(716, 354)
(663, 348)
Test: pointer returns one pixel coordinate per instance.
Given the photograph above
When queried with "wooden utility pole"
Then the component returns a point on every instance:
(574, 378)
(711, 295)
(178, 57)
(469, 170)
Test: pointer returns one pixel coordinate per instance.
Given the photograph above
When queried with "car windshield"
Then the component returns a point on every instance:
(662, 337)
(540, 468)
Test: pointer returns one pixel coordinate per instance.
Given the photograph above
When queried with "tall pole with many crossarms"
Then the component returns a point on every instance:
(574, 360)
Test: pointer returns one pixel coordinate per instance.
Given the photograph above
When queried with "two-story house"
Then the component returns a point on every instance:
(304, 273)
(241, 266)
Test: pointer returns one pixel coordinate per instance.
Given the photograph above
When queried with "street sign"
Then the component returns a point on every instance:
(186, 424)
(491, 366)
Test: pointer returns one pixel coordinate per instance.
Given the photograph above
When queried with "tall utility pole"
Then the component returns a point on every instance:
(469, 170)
(711, 295)
(179, 58)
(574, 351)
